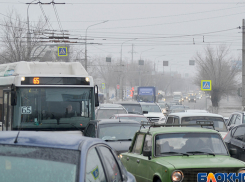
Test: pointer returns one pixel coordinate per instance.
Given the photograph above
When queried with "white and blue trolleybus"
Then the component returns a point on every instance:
(45, 96)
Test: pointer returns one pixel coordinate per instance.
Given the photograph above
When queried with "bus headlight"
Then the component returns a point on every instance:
(87, 79)
(177, 176)
(23, 78)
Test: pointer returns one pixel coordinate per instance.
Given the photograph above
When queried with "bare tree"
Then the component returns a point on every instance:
(217, 65)
(14, 38)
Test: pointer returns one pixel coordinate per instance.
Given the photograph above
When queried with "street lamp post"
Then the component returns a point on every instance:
(145, 51)
(139, 65)
(86, 60)
(155, 61)
(121, 81)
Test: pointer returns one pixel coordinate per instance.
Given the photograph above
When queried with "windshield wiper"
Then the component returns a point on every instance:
(175, 153)
(201, 152)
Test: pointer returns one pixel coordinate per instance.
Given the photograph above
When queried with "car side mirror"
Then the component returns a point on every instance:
(233, 151)
(147, 154)
(145, 112)
(96, 94)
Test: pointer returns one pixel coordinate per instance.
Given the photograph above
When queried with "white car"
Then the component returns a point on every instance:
(193, 118)
(154, 112)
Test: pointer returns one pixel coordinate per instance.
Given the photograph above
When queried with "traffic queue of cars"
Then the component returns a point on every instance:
(128, 142)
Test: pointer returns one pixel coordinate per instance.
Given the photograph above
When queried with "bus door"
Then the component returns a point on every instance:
(7, 111)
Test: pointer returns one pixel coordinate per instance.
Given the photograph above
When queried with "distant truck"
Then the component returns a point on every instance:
(177, 97)
(146, 94)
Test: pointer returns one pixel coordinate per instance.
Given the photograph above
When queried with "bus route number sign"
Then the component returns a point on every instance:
(26, 110)
(36, 80)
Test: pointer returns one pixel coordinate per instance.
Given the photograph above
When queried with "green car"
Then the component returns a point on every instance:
(178, 154)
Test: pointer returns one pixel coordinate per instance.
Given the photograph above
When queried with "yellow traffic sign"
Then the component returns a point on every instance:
(103, 85)
(206, 85)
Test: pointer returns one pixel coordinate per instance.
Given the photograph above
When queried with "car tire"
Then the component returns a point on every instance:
(158, 180)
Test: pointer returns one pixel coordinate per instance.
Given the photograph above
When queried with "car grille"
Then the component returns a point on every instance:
(190, 175)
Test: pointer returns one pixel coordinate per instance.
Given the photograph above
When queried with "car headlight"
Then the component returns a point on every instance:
(177, 176)
(120, 156)
(241, 171)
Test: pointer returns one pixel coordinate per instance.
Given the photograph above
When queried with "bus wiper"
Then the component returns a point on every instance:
(73, 126)
(209, 153)
(175, 153)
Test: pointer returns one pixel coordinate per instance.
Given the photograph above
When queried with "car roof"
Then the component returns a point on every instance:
(189, 114)
(113, 106)
(128, 103)
(147, 103)
(159, 130)
(130, 115)
(114, 121)
(196, 111)
(46, 139)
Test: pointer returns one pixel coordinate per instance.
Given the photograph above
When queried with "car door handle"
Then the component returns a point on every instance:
(138, 161)
(127, 158)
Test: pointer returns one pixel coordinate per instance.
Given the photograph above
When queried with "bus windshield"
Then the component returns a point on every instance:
(53, 108)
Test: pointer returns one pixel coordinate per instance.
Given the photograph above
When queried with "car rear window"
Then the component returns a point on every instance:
(28, 164)
(107, 113)
(219, 123)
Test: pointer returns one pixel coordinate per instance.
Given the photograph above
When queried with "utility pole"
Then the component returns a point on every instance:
(243, 64)
(132, 53)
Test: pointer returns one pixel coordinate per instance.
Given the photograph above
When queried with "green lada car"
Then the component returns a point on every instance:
(174, 154)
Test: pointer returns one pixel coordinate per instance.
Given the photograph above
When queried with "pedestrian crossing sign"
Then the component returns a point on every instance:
(206, 85)
(62, 51)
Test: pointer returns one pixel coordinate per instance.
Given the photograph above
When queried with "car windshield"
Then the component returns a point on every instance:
(134, 118)
(177, 107)
(191, 143)
(146, 98)
(117, 131)
(219, 124)
(162, 105)
(53, 108)
(151, 108)
(133, 108)
(107, 113)
(29, 164)
(192, 97)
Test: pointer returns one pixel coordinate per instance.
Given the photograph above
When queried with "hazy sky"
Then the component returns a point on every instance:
(168, 30)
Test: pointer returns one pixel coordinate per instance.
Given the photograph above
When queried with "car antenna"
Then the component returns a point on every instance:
(118, 116)
(16, 139)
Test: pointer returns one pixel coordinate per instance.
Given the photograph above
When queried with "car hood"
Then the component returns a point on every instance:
(119, 146)
(201, 161)
(223, 134)
(154, 114)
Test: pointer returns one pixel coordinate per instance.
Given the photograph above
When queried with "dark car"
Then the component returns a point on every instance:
(45, 157)
(118, 133)
(132, 107)
(192, 98)
(235, 141)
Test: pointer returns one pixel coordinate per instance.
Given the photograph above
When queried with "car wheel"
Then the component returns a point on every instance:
(158, 180)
